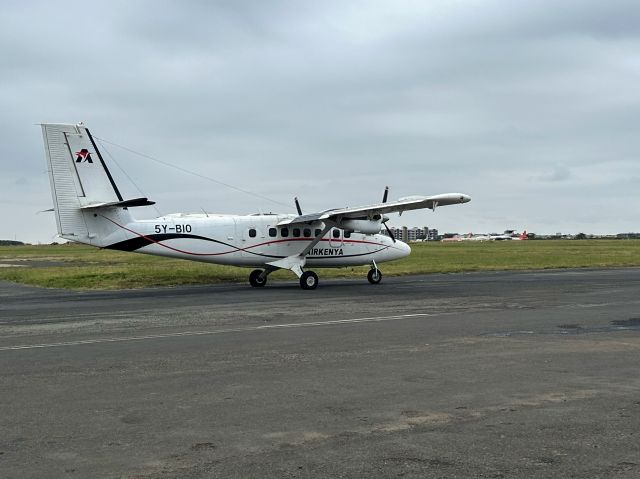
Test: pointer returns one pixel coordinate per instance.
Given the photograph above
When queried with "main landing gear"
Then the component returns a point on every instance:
(309, 280)
(258, 278)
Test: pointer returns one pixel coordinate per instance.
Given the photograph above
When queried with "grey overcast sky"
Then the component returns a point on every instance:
(531, 107)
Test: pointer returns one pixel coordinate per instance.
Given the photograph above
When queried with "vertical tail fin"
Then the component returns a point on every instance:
(81, 183)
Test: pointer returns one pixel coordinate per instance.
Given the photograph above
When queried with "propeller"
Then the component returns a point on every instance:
(298, 206)
(386, 218)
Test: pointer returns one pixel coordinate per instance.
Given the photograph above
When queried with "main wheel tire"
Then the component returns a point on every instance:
(256, 280)
(374, 276)
(309, 280)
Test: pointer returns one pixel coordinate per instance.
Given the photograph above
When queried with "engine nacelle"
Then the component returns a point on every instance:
(368, 227)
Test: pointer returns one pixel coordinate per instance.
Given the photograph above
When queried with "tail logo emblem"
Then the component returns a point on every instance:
(83, 155)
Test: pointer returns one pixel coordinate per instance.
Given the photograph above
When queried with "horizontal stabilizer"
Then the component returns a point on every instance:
(121, 204)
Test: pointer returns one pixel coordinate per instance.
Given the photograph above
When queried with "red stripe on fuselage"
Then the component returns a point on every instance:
(177, 250)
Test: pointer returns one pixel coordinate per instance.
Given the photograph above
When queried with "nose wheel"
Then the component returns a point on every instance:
(374, 276)
(309, 280)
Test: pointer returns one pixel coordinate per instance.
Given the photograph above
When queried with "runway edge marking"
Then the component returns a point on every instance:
(219, 331)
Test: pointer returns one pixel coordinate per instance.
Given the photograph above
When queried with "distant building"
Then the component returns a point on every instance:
(413, 234)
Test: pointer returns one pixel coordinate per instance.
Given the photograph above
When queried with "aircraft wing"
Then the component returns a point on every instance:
(369, 212)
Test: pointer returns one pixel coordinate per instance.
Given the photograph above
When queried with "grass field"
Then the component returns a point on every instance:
(84, 267)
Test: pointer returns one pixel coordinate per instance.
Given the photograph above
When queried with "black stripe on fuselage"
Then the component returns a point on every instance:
(138, 242)
(134, 244)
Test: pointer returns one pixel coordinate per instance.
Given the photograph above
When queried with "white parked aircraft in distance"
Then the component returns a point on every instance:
(90, 209)
(472, 237)
(509, 235)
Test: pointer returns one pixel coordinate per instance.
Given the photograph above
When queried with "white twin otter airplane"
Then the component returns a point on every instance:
(89, 209)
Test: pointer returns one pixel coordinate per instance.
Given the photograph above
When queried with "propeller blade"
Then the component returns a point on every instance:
(386, 194)
(298, 206)
(389, 231)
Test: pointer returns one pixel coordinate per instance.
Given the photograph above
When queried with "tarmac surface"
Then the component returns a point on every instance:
(502, 375)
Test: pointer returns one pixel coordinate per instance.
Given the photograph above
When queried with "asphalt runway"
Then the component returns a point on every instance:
(502, 375)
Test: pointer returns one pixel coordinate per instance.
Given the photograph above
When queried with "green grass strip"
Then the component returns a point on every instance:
(84, 267)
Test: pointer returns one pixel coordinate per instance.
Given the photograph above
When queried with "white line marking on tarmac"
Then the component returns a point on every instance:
(218, 331)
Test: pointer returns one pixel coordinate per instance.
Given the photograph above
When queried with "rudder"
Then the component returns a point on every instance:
(80, 180)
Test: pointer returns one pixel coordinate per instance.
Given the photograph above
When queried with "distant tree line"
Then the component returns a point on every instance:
(11, 243)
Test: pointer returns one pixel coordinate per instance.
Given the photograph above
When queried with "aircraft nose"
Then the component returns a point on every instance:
(402, 249)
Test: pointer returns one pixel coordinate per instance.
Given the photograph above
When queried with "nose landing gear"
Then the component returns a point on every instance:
(374, 276)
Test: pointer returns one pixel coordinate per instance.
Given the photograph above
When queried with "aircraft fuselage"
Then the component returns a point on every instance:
(251, 241)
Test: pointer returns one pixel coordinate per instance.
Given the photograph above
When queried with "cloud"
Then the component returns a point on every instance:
(332, 101)
(558, 173)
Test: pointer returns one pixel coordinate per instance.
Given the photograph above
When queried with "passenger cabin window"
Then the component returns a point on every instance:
(296, 232)
(252, 233)
(347, 234)
(273, 232)
(306, 233)
(317, 232)
(284, 232)
(336, 233)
